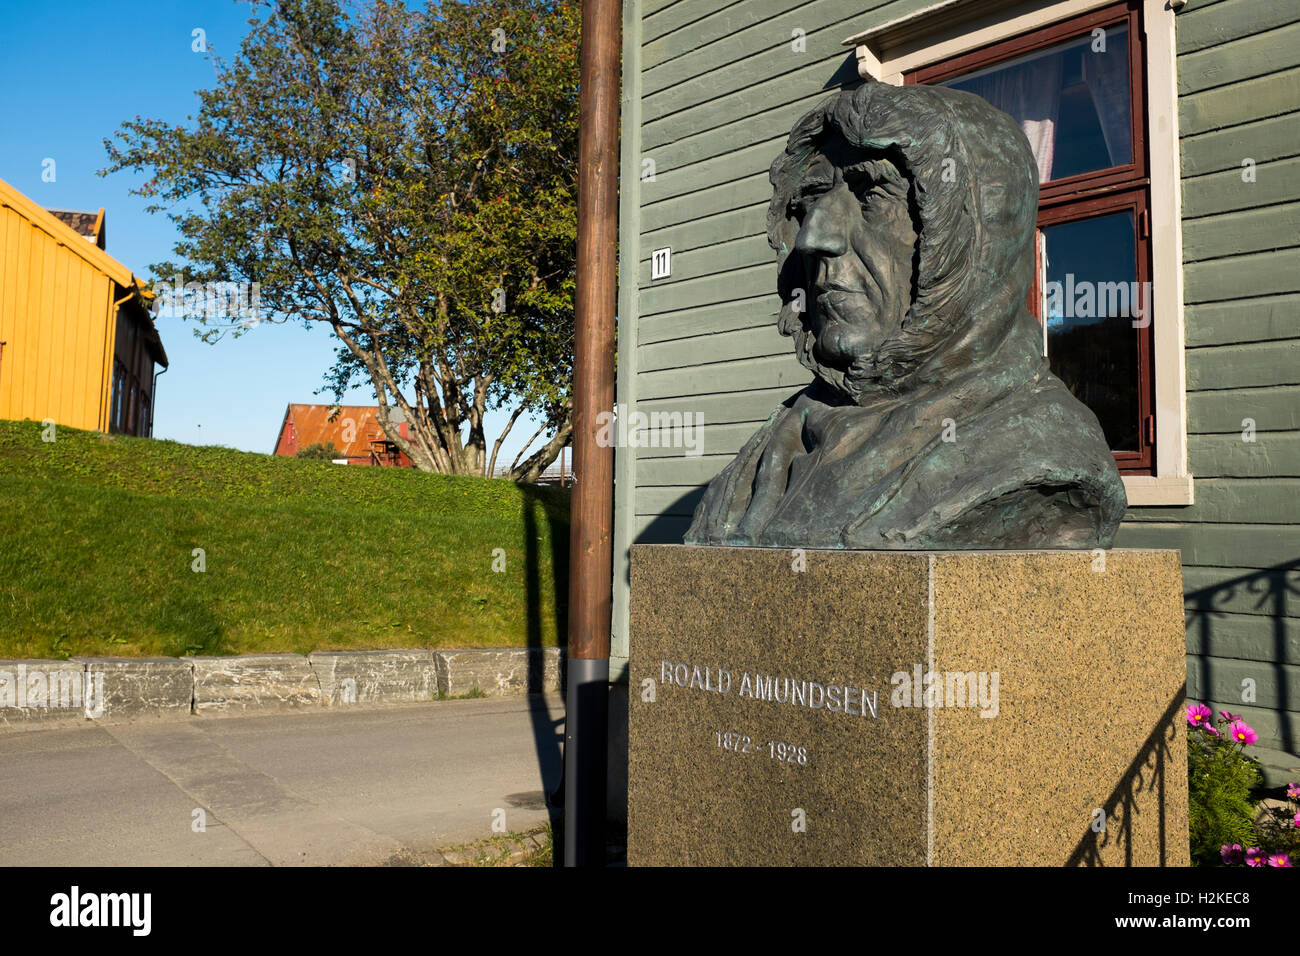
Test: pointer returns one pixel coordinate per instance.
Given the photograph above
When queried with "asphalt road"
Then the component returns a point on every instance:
(364, 786)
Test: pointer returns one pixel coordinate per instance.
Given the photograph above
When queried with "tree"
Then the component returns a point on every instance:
(408, 178)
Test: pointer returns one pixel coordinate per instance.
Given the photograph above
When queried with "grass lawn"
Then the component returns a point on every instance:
(98, 533)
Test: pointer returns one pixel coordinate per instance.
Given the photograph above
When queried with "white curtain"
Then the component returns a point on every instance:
(1107, 77)
(1031, 93)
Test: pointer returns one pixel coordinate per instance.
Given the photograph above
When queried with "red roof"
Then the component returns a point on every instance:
(305, 425)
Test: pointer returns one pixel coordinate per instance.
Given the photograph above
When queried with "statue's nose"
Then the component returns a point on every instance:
(822, 233)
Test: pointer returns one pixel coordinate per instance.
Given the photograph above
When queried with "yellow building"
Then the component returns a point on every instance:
(77, 342)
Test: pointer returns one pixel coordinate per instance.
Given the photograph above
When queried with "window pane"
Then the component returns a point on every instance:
(1071, 100)
(1091, 298)
(115, 404)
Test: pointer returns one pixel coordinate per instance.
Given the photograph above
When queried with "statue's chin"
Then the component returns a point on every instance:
(840, 341)
(844, 362)
(848, 331)
(850, 388)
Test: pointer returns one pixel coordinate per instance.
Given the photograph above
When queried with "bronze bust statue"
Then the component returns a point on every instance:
(903, 220)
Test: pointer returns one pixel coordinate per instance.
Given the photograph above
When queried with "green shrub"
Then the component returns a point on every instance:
(1221, 778)
(320, 451)
(1228, 825)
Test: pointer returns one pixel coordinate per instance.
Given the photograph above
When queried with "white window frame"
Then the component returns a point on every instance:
(949, 28)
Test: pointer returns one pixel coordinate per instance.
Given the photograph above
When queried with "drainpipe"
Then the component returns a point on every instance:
(591, 565)
(153, 397)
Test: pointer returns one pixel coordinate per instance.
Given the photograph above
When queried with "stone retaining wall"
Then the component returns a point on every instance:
(37, 691)
(497, 672)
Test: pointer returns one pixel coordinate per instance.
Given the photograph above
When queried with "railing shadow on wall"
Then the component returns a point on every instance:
(1273, 586)
(1148, 771)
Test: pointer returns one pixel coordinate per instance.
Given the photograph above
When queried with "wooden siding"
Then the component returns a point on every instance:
(716, 87)
(1239, 98)
(54, 308)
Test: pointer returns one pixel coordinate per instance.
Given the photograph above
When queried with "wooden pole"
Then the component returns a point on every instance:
(591, 566)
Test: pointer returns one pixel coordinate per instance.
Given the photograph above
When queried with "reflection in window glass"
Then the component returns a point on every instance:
(1091, 297)
(1071, 100)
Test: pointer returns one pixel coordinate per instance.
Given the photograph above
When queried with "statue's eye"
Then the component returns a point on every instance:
(809, 193)
(867, 186)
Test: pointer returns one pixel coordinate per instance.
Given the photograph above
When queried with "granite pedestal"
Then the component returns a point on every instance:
(906, 708)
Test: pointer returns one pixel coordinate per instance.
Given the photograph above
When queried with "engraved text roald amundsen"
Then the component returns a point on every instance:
(835, 698)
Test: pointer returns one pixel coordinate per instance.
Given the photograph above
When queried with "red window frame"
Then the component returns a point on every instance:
(1115, 189)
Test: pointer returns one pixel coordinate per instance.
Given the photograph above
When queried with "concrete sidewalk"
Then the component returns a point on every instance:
(361, 786)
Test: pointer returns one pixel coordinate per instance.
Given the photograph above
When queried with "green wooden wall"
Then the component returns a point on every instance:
(1239, 98)
(711, 90)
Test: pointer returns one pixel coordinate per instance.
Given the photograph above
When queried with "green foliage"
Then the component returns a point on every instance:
(1278, 830)
(386, 173)
(319, 451)
(1222, 779)
(474, 693)
(546, 855)
(1229, 825)
(535, 848)
(99, 532)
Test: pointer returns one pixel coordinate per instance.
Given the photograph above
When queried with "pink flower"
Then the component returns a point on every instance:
(1226, 715)
(1255, 856)
(1198, 715)
(1279, 859)
(1232, 855)
(1242, 733)
(1293, 790)
(1213, 731)
(1296, 819)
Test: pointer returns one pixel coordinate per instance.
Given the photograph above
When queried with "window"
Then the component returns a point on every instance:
(1092, 85)
(1076, 89)
(128, 409)
(115, 403)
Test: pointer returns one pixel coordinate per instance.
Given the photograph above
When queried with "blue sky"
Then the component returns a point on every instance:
(72, 72)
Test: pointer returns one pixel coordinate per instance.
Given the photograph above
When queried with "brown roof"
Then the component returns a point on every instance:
(83, 222)
(88, 224)
(312, 425)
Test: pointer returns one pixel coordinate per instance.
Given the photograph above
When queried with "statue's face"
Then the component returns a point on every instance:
(857, 243)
